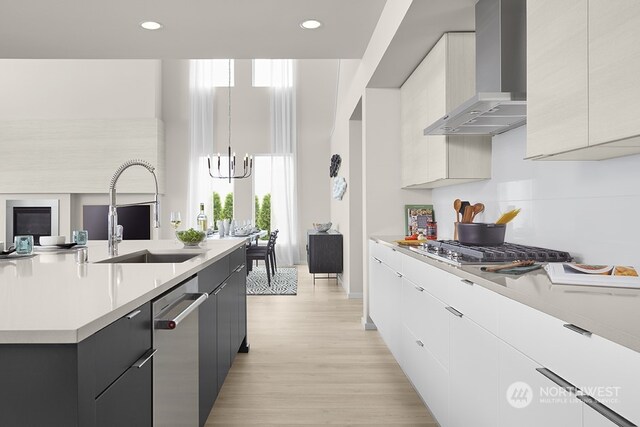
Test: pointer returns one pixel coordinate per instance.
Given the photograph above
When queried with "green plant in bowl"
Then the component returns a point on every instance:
(191, 237)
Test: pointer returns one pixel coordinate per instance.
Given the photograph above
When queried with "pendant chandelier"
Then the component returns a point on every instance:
(247, 162)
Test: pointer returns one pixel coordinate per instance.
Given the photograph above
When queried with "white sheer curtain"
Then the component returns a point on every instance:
(283, 160)
(201, 96)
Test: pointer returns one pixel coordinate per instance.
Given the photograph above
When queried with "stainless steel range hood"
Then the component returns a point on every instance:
(501, 74)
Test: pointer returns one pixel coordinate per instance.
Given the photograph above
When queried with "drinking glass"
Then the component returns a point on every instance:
(80, 237)
(175, 220)
(24, 245)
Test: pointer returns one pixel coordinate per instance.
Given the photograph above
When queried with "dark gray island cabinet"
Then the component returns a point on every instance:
(106, 380)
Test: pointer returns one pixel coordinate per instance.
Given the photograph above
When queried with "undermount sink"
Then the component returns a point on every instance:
(147, 257)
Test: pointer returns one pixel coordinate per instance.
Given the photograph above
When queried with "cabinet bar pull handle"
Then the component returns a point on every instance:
(239, 269)
(577, 329)
(133, 314)
(398, 274)
(556, 379)
(377, 260)
(453, 311)
(468, 282)
(612, 416)
(420, 343)
(145, 358)
(171, 324)
(220, 288)
(419, 288)
(393, 249)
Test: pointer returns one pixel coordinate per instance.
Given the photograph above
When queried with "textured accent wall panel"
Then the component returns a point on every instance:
(78, 156)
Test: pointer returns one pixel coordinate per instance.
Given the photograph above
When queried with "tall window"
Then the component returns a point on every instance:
(268, 73)
(221, 72)
(262, 192)
(222, 194)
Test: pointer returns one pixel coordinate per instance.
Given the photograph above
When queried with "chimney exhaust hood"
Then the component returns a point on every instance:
(501, 74)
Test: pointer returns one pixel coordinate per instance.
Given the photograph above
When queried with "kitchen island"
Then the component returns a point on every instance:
(475, 334)
(77, 339)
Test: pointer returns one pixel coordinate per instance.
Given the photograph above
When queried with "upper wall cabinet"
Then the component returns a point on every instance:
(444, 80)
(583, 62)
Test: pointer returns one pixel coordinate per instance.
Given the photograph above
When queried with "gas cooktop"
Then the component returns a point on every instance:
(455, 253)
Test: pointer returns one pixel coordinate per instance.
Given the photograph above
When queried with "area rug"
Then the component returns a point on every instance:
(284, 282)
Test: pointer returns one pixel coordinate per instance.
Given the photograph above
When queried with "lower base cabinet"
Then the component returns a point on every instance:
(224, 301)
(473, 374)
(480, 359)
(427, 375)
(208, 358)
(127, 402)
(526, 396)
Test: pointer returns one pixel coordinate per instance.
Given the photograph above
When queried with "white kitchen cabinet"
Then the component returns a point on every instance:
(429, 377)
(463, 366)
(522, 398)
(583, 62)
(614, 71)
(591, 418)
(425, 346)
(444, 80)
(581, 358)
(473, 374)
(384, 303)
(557, 77)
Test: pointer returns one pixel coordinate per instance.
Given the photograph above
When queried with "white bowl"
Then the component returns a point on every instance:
(321, 227)
(51, 240)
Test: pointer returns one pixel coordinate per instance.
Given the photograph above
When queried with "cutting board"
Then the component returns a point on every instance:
(410, 242)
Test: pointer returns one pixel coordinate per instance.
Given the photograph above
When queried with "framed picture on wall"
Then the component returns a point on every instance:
(416, 218)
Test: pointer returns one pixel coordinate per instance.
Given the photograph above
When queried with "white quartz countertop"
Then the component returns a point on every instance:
(611, 313)
(49, 298)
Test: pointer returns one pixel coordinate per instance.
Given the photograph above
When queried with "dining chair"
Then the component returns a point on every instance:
(264, 253)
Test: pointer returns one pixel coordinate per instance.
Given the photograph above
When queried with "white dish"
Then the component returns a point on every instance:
(51, 240)
(15, 256)
(52, 248)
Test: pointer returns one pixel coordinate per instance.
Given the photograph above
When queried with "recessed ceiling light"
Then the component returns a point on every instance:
(151, 25)
(311, 24)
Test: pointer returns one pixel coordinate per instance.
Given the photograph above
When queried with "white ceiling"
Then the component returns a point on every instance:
(192, 28)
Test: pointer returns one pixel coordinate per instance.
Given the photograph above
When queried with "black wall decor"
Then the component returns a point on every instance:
(335, 165)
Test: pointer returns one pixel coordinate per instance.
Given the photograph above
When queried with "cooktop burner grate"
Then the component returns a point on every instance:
(504, 253)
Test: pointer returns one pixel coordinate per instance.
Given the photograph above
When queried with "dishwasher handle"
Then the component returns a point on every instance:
(197, 298)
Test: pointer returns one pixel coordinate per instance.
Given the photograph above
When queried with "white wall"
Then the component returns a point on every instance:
(79, 89)
(585, 208)
(175, 115)
(316, 93)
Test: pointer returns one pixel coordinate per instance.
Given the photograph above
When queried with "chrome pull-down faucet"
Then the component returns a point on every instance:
(112, 234)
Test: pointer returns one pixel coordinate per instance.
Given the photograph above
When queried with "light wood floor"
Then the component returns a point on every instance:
(311, 363)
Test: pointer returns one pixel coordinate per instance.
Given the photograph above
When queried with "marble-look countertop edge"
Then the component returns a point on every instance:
(598, 328)
(77, 335)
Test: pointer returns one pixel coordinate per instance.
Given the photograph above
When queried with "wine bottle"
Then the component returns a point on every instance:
(202, 219)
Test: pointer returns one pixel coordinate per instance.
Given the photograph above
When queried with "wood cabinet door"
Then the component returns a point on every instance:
(436, 88)
(614, 70)
(557, 76)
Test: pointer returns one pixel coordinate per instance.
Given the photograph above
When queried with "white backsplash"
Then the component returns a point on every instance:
(586, 208)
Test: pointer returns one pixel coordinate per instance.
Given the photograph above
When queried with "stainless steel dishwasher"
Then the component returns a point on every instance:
(175, 364)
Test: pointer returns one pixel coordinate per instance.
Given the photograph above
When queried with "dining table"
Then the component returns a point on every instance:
(249, 238)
